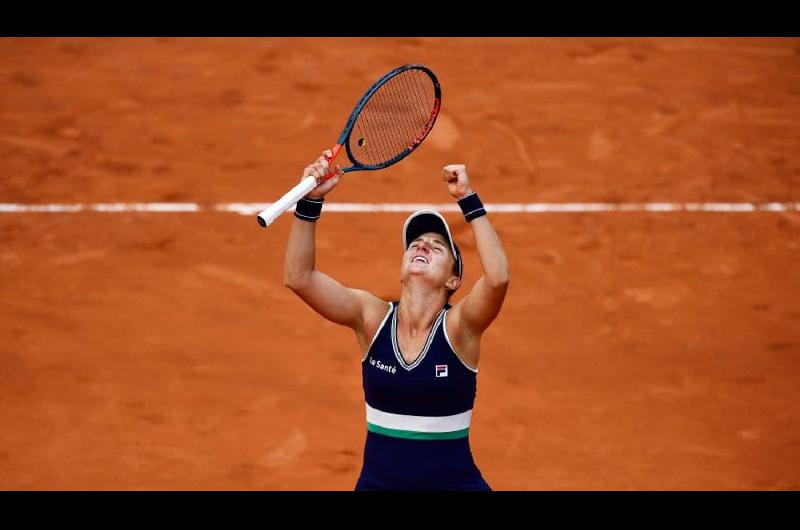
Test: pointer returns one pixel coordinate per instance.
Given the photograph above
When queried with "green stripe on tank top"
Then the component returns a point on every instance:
(414, 435)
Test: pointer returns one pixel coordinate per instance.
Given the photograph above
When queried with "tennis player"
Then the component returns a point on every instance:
(419, 353)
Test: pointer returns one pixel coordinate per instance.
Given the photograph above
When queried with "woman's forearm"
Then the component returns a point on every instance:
(491, 252)
(300, 253)
(299, 264)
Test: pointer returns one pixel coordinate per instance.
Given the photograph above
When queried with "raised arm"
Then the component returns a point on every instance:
(473, 313)
(326, 296)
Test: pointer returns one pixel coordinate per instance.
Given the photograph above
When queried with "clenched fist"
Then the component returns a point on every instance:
(457, 180)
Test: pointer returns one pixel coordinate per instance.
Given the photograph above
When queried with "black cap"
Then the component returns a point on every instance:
(423, 221)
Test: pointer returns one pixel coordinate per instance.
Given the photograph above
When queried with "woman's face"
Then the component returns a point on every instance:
(429, 256)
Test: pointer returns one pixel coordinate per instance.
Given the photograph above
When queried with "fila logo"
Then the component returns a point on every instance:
(441, 370)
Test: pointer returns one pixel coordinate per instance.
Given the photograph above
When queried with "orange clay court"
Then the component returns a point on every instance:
(635, 350)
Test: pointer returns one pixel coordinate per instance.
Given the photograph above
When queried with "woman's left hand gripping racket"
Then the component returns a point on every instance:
(387, 123)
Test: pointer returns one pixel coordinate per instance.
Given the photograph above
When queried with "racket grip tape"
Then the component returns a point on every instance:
(289, 199)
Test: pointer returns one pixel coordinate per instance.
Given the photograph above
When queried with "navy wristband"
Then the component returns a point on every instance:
(471, 206)
(308, 209)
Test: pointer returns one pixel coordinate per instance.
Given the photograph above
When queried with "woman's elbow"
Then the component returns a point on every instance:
(293, 281)
(500, 279)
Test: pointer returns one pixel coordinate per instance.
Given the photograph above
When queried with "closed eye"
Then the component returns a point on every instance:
(435, 245)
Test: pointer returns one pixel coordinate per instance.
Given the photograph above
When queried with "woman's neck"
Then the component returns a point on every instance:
(418, 309)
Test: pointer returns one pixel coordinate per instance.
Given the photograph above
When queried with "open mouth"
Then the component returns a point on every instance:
(419, 259)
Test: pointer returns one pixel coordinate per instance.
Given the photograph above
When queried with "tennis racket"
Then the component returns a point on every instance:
(389, 121)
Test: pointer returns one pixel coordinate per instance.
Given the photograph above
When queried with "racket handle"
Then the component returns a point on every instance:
(288, 200)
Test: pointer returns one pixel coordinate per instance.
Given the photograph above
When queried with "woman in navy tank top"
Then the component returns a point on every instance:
(419, 353)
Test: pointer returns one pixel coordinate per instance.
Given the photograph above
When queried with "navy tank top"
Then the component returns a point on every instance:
(418, 414)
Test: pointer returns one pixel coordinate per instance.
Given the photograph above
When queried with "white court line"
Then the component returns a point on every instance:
(146, 207)
(251, 208)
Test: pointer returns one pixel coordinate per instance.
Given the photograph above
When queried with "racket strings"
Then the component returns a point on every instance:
(394, 118)
(376, 146)
(419, 106)
(384, 123)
